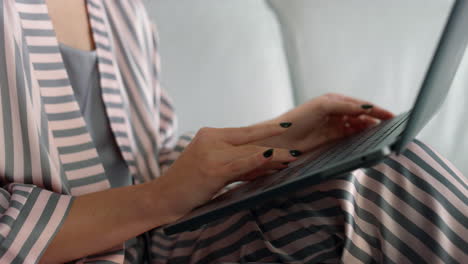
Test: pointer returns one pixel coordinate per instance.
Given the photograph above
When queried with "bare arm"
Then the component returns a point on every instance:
(100, 221)
(103, 220)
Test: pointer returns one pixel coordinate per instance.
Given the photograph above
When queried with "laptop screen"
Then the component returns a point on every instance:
(441, 72)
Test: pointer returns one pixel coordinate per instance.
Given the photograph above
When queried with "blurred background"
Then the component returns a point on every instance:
(234, 63)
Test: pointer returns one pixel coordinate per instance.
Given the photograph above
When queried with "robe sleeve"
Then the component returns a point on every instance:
(29, 219)
(29, 216)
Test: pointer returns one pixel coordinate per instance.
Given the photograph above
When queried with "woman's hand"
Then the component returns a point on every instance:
(325, 119)
(215, 158)
(102, 220)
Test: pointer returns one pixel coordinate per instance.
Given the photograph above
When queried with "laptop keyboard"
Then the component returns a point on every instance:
(360, 143)
(347, 148)
(342, 150)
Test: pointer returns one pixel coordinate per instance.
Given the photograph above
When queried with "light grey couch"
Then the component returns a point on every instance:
(231, 63)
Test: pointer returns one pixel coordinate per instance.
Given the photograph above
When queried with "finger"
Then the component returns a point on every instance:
(285, 155)
(353, 109)
(279, 154)
(247, 164)
(378, 112)
(375, 111)
(362, 122)
(249, 134)
(343, 108)
(354, 125)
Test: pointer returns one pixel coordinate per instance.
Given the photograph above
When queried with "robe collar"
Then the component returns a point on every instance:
(61, 107)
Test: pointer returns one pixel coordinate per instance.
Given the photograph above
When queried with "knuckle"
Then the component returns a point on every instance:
(322, 106)
(204, 132)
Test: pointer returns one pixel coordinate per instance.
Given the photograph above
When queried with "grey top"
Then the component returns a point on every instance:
(82, 70)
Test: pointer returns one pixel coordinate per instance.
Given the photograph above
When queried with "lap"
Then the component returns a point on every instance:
(409, 208)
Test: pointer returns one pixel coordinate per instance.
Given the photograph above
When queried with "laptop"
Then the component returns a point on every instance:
(362, 150)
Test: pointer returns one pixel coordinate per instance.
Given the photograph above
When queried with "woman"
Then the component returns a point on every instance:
(90, 166)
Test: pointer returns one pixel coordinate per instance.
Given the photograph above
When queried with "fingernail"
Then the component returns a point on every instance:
(286, 124)
(285, 163)
(268, 153)
(295, 153)
(366, 106)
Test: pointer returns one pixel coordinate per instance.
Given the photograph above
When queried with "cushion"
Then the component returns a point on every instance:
(222, 61)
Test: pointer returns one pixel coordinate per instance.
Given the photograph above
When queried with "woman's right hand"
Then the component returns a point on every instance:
(215, 158)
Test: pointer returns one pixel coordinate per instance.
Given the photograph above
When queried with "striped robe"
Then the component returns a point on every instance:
(411, 208)
(47, 156)
(408, 209)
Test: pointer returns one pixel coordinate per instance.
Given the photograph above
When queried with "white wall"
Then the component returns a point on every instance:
(222, 61)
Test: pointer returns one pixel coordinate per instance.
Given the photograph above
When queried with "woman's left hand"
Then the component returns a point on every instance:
(325, 119)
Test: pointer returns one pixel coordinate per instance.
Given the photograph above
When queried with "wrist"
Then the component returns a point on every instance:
(156, 203)
(174, 196)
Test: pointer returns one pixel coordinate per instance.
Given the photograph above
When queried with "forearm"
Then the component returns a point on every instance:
(100, 221)
(103, 220)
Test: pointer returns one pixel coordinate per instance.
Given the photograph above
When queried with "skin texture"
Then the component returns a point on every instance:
(216, 157)
(70, 21)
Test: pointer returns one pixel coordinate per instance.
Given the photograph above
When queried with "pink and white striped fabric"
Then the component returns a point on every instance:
(410, 208)
(47, 155)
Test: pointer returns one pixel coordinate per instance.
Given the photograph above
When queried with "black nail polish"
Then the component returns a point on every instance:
(285, 163)
(268, 153)
(295, 153)
(366, 106)
(286, 124)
